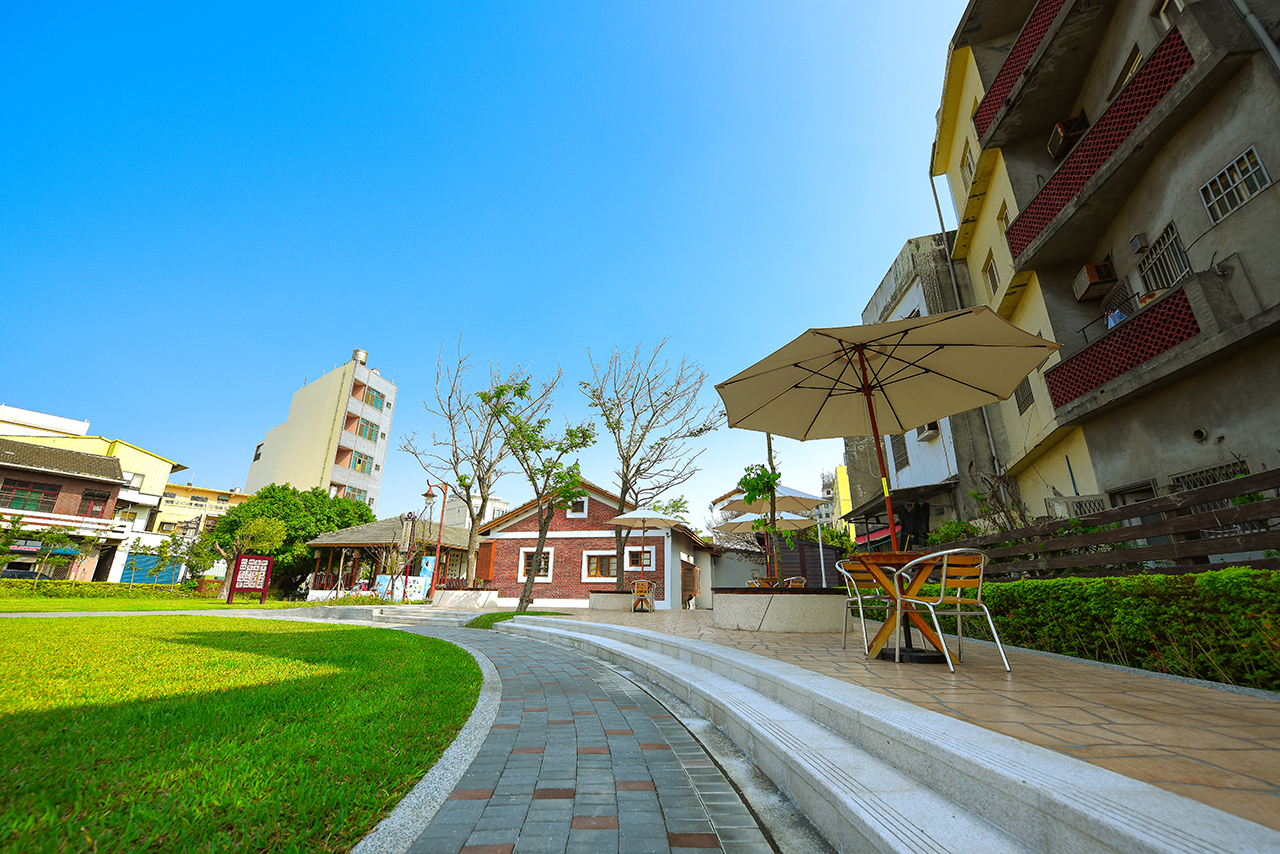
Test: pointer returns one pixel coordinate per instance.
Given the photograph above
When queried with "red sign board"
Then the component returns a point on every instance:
(252, 573)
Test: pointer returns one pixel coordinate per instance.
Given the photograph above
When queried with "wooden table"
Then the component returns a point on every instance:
(883, 566)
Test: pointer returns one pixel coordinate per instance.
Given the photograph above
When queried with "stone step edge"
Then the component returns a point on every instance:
(818, 769)
(1050, 801)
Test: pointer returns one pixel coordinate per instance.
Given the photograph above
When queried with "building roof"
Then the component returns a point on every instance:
(523, 509)
(395, 530)
(51, 460)
(873, 508)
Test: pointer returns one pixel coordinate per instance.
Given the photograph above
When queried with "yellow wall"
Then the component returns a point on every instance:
(1049, 471)
(180, 508)
(301, 450)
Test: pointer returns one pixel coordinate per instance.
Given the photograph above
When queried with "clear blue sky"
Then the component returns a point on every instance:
(204, 204)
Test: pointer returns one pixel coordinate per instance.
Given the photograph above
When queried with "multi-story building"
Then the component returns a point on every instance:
(188, 510)
(24, 422)
(335, 437)
(1110, 165)
(456, 515)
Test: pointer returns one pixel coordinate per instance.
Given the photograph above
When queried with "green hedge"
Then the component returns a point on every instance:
(1218, 625)
(19, 588)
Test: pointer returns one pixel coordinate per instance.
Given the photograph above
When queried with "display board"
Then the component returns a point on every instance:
(251, 575)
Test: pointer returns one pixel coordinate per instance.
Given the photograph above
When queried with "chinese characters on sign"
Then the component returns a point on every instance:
(252, 574)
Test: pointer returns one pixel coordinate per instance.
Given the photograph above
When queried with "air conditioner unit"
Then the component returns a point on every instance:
(1094, 281)
(1065, 134)
(1138, 243)
(927, 431)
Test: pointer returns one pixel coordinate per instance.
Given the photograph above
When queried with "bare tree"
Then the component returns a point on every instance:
(651, 410)
(522, 411)
(467, 452)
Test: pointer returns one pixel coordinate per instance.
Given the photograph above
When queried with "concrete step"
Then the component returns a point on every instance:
(420, 615)
(877, 774)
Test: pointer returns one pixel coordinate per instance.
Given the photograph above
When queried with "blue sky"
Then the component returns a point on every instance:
(203, 205)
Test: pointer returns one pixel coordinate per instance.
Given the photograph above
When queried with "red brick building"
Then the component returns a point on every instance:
(580, 554)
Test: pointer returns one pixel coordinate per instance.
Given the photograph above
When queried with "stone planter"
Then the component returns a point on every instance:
(610, 600)
(766, 610)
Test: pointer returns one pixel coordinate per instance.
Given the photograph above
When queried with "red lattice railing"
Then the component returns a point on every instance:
(1015, 63)
(1143, 337)
(1152, 82)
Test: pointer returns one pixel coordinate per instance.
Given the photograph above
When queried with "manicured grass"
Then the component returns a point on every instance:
(42, 604)
(190, 733)
(486, 621)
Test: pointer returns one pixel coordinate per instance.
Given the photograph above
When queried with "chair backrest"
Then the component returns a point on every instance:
(856, 576)
(795, 581)
(641, 588)
(961, 572)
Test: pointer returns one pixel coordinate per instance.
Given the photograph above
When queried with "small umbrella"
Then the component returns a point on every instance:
(745, 524)
(832, 382)
(788, 499)
(644, 518)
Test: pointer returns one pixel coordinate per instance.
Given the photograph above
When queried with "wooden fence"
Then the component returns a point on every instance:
(1176, 533)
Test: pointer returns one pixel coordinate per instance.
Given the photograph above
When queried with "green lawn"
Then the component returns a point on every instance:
(192, 733)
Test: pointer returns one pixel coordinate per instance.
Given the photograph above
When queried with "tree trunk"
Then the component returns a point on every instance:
(620, 546)
(531, 572)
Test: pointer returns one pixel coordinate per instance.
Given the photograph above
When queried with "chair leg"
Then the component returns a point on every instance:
(996, 638)
(844, 630)
(862, 621)
(959, 635)
(937, 627)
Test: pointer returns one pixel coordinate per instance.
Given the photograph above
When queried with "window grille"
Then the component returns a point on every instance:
(374, 398)
(93, 502)
(368, 430)
(25, 495)
(1207, 477)
(1235, 185)
(898, 443)
(1023, 395)
(1165, 263)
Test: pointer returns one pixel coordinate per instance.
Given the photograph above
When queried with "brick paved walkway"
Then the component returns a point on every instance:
(581, 761)
(1217, 747)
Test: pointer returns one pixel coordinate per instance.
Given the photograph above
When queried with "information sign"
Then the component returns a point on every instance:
(252, 574)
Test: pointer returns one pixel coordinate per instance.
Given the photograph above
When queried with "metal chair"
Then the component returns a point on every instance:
(863, 587)
(794, 581)
(961, 573)
(643, 593)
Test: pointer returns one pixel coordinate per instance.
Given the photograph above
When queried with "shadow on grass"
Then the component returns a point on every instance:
(305, 763)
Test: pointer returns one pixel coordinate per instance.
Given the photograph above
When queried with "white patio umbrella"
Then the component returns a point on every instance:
(789, 500)
(644, 517)
(745, 524)
(895, 376)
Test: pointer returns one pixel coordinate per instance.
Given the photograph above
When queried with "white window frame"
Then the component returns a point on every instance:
(569, 512)
(551, 564)
(606, 579)
(1230, 188)
(653, 559)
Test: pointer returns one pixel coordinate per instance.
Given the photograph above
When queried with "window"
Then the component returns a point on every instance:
(361, 495)
(171, 495)
(257, 452)
(199, 499)
(898, 445)
(1165, 263)
(368, 430)
(601, 566)
(542, 574)
(991, 273)
(127, 515)
(1002, 218)
(166, 526)
(374, 398)
(1127, 70)
(578, 509)
(25, 495)
(93, 502)
(1235, 185)
(1167, 10)
(967, 166)
(224, 499)
(640, 559)
(1023, 395)
(362, 462)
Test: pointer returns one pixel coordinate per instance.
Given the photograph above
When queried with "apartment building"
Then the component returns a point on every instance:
(456, 515)
(335, 437)
(1110, 165)
(188, 510)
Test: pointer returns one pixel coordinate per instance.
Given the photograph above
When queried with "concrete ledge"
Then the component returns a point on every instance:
(610, 600)
(779, 612)
(870, 771)
(468, 599)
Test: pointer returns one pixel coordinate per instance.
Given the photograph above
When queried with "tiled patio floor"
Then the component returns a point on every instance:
(1214, 746)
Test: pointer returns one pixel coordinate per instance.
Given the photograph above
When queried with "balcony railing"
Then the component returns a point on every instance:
(1139, 97)
(1159, 327)
(1033, 32)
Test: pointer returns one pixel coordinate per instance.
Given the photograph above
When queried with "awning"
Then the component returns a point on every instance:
(873, 508)
(876, 536)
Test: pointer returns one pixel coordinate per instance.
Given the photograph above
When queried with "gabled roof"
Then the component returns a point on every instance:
(44, 459)
(523, 510)
(393, 531)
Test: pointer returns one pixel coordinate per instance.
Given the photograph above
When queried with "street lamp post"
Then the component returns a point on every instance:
(429, 495)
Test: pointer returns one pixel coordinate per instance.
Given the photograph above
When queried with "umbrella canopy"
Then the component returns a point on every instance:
(883, 377)
(789, 500)
(644, 517)
(786, 522)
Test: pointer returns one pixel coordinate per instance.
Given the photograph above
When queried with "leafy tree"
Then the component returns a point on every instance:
(55, 543)
(521, 412)
(468, 454)
(651, 410)
(196, 553)
(757, 482)
(302, 516)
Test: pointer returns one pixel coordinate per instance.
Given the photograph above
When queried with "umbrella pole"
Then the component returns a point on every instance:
(875, 431)
(822, 557)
